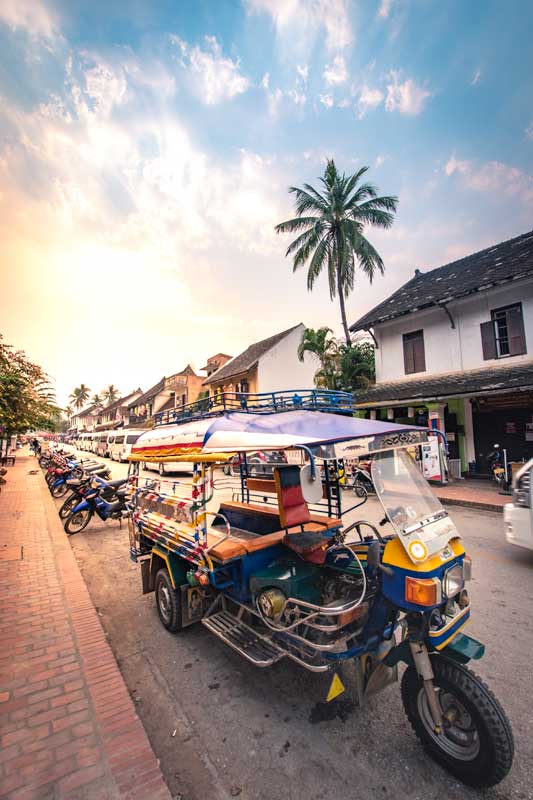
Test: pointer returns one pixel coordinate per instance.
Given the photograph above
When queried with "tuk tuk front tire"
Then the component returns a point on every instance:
(494, 756)
(168, 601)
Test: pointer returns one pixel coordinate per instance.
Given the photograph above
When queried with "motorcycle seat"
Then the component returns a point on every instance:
(117, 482)
(73, 483)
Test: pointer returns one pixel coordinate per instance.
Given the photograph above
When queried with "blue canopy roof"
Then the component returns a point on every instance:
(250, 432)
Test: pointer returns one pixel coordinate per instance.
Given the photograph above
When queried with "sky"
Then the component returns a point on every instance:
(147, 149)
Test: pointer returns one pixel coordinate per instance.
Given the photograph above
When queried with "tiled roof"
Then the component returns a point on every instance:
(488, 379)
(247, 359)
(122, 401)
(503, 262)
(158, 387)
(187, 371)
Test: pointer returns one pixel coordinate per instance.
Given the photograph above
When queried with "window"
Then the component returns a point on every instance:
(119, 440)
(132, 438)
(503, 335)
(414, 358)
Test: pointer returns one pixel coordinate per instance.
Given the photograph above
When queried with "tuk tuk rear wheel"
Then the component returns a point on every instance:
(168, 601)
(477, 743)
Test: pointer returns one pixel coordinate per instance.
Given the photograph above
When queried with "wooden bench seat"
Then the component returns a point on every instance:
(256, 508)
(240, 545)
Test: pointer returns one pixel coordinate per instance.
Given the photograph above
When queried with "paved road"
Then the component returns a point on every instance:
(223, 728)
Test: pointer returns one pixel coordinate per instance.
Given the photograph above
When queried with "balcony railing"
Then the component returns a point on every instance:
(259, 403)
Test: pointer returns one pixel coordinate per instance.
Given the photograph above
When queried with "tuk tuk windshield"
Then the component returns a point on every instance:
(405, 495)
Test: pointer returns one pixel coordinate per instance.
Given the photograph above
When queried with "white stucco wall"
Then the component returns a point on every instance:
(280, 369)
(449, 349)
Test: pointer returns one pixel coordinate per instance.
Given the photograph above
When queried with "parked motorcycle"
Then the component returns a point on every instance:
(58, 481)
(93, 502)
(496, 461)
(79, 487)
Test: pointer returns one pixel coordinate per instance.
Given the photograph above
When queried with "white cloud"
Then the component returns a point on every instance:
(300, 22)
(303, 72)
(379, 161)
(298, 98)
(385, 8)
(31, 15)
(454, 165)
(368, 99)
(407, 97)
(326, 99)
(529, 131)
(344, 103)
(476, 78)
(214, 77)
(494, 176)
(336, 72)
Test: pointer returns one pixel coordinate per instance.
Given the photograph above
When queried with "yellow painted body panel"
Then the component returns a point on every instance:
(395, 556)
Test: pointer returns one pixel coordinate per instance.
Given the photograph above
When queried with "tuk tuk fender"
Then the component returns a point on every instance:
(462, 649)
(177, 569)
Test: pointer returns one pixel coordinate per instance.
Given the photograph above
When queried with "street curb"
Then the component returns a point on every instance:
(454, 501)
(131, 760)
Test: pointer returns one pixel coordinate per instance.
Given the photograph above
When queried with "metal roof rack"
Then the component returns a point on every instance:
(336, 402)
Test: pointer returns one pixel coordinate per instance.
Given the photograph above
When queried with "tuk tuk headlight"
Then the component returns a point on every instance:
(453, 581)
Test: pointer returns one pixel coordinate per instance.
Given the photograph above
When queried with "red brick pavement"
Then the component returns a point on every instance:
(68, 727)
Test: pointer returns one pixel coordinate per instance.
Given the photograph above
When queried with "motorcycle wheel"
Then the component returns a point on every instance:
(69, 504)
(43, 462)
(477, 744)
(59, 491)
(75, 523)
(359, 489)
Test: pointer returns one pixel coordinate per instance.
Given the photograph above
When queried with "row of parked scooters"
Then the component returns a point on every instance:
(87, 488)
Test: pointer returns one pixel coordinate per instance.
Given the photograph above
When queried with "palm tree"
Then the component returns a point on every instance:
(79, 396)
(330, 224)
(96, 401)
(110, 394)
(324, 348)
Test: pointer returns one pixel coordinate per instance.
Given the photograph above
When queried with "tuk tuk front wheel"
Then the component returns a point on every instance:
(168, 601)
(477, 743)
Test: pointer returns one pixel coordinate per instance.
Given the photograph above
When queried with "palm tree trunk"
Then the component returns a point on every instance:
(343, 309)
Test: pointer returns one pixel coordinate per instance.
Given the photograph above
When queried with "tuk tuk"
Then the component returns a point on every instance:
(270, 566)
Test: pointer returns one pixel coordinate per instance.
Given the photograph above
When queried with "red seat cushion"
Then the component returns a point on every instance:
(293, 509)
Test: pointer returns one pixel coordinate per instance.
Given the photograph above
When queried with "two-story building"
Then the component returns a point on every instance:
(170, 392)
(454, 349)
(116, 415)
(266, 366)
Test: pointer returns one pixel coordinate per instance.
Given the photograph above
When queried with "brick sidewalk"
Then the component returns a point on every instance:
(68, 728)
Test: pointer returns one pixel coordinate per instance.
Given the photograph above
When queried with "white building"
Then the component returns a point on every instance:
(454, 346)
(267, 366)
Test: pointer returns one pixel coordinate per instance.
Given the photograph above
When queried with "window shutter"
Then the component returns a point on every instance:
(488, 340)
(515, 328)
(408, 356)
(419, 353)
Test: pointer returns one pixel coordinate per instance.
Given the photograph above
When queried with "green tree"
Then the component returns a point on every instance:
(330, 224)
(357, 368)
(79, 396)
(96, 400)
(324, 348)
(27, 400)
(110, 394)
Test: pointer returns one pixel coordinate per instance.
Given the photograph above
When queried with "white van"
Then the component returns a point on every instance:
(169, 466)
(120, 449)
(101, 446)
(518, 515)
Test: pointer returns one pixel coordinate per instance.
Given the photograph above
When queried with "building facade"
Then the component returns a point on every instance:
(170, 392)
(454, 349)
(266, 366)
